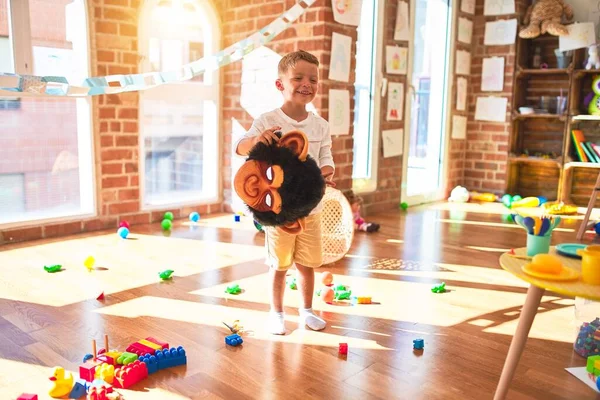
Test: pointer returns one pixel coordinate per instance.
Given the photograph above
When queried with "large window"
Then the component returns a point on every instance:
(178, 121)
(366, 101)
(45, 142)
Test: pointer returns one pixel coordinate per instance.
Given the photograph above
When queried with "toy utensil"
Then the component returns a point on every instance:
(545, 226)
(529, 224)
(554, 223)
(537, 225)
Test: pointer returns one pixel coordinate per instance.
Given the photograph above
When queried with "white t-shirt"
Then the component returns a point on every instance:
(314, 127)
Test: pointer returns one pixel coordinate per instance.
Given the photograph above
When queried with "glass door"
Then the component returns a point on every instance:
(427, 101)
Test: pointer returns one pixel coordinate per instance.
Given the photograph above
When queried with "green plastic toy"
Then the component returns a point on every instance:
(233, 289)
(126, 358)
(404, 206)
(166, 274)
(166, 224)
(594, 107)
(53, 268)
(439, 288)
(343, 294)
(168, 215)
(292, 284)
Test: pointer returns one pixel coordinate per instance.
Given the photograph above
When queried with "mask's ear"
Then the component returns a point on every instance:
(297, 142)
(293, 228)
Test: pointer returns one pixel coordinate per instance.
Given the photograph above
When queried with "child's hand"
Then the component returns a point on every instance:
(329, 179)
(268, 136)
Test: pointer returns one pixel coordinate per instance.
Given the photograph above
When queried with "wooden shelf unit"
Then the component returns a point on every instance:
(550, 169)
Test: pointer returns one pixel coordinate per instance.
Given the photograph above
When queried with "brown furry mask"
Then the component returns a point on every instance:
(280, 183)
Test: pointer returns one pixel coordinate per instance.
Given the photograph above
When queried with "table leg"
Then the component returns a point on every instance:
(532, 302)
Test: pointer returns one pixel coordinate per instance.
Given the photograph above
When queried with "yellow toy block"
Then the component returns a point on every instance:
(106, 372)
(149, 344)
(363, 300)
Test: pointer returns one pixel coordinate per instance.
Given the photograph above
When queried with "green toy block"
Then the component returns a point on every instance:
(233, 289)
(591, 362)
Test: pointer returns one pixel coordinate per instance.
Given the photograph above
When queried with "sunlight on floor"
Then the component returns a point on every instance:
(214, 315)
(225, 221)
(121, 265)
(495, 224)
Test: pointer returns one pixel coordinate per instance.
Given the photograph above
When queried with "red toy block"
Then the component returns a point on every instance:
(99, 393)
(162, 344)
(130, 374)
(27, 396)
(139, 349)
(87, 370)
(100, 297)
(343, 348)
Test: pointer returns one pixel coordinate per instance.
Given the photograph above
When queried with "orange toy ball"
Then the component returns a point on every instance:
(326, 278)
(327, 294)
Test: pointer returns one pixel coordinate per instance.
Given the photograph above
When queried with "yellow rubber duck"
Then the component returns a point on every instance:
(62, 382)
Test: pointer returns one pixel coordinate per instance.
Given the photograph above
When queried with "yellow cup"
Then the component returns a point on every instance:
(590, 264)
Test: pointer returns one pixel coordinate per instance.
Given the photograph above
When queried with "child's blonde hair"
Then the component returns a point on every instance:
(289, 60)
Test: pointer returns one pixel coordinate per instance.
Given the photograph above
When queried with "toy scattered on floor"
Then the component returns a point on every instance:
(123, 232)
(439, 288)
(291, 283)
(361, 300)
(52, 268)
(166, 224)
(343, 349)
(236, 218)
(559, 208)
(166, 274)
(326, 278)
(327, 295)
(194, 217)
(62, 382)
(233, 340)
(124, 224)
(459, 194)
(27, 396)
(418, 344)
(233, 289)
(236, 327)
(549, 266)
(404, 206)
(483, 197)
(359, 222)
(258, 226)
(168, 215)
(100, 297)
(89, 263)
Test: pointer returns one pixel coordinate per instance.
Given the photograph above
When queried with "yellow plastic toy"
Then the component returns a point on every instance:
(548, 266)
(526, 202)
(62, 382)
(486, 197)
(560, 209)
(89, 263)
(590, 264)
(106, 372)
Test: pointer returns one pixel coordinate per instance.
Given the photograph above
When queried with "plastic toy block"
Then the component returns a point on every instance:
(343, 349)
(233, 289)
(343, 294)
(162, 344)
(234, 340)
(126, 358)
(79, 390)
(99, 393)
(87, 370)
(99, 383)
(592, 363)
(236, 218)
(105, 372)
(439, 288)
(150, 361)
(109, 357)
(171, 357)
(361, 299)
(129, 375)
(27, 396)
(150, 344)
(418, 344)
(88, 356)
(139, 349)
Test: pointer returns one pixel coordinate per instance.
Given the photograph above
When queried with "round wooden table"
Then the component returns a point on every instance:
(535, 292)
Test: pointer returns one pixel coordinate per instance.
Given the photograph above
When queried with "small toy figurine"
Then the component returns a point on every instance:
(53, 268)
(418, 344)
(439, 288)
(359, 222)
(233, 289)
(166, 274)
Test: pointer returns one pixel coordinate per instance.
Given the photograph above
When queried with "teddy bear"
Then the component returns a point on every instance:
(545, 16)
(593, 58)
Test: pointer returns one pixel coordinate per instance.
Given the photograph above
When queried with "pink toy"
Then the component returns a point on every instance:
(343, 349)
(327, 278)
(359, 222)
(27, 396)
(124, 224)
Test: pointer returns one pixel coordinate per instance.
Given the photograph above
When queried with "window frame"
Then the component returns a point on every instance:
(21, 51)
(211, 171)
(367, 185)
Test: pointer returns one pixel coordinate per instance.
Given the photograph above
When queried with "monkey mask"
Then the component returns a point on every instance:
(280, 183)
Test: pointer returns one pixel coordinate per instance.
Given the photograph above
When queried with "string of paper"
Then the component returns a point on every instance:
(15, 85)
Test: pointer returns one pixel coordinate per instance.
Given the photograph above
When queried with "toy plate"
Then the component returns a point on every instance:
(570, 249)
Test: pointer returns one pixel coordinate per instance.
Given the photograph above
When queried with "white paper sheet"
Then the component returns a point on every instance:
(393, 140)
(459, 127)
(465, 30)
(491, 109)
(467, 6)
(463, 62)
(339, 112)
(339, 67)
(492, 76)
(461, 94)
(347, 12)
(402, 28)
(500, 32)
(395, 101)
(580, 35)
(582, 374)
(498, 7)
(396, 60)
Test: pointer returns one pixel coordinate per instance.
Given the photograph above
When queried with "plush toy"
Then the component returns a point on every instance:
(280, 183)
(593, 58)
(545, 16)
(594, 106)
(359, 222)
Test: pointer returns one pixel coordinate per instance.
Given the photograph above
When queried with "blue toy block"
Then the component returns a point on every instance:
(150, 361)
(172, 357)
(79, 389)
(88, 356)
(234, 340)
(418, 344)
(236, 218)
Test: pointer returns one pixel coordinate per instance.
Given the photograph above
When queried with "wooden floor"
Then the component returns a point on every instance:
(50, 319)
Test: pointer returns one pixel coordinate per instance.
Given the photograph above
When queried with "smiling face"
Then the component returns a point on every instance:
(299, 84)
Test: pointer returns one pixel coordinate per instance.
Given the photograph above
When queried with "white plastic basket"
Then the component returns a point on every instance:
(337, 225)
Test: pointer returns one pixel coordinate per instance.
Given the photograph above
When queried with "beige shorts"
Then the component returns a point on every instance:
(284, 249)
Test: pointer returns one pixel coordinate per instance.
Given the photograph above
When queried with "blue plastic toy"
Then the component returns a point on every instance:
(234, 340)
(88, 356)
(123, 232)
(79, 389)
(172, 357)
(194, 217)
(150, 361)
(236, 218)
(418, 344)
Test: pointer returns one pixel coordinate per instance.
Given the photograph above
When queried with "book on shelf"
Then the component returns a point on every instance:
(584, 150)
